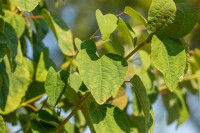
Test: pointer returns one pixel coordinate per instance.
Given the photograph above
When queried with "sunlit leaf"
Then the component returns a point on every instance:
(121, 99)
(169, 57)
(27, 5)
(2, 125)
(106, 73)
(107, 24)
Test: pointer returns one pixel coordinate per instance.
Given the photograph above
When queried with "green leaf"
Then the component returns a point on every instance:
(107, 24)
(75, 81)
(3, 46)
(106, 73)
(116, 44)
(2, 125)
(12, 4)
(15, 84)
(27, 5)
(185, 20)
(160, 15)
(135, 15)
(2, 24)
(43, 65)
(12, 42)
(124, 32)
(169, 57)
(16, 21)
(78, 42)
(89, 44)
(108, 119)
(61, 32)
(53, 86)
(141, 93)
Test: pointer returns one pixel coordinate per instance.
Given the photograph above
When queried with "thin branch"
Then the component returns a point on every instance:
(33, 17)
(137, 48)
(59, 128)
(94, 34)
(33, 99)
(117, 15)
(32, 107)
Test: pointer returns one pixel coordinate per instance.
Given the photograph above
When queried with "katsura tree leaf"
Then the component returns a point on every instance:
(108, 119)
(185, 20)
(2, 25)
(160, 15)
(169, 57)
(78, 42)
(12, 4)
(40, 127)
(43, 65)
(27, 5)
(15, 84)
(135, 15)
(12, 42)
(2, 125)
(117, 45)
(61, 32)
(53, 86)
(3, 45)
(106, 73)
(107, 24)
(124, 32)
(75, 81)
(16, 21)
(142, 96)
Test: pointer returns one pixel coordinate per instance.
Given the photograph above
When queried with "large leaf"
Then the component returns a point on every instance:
(135, 15)
(108, 119)
(169, 57)
(106, 73)
(27, 5)
(142, 96)
(61, 32)
(16, 20)
(185, 20)
(107, 24)
(15, 84)
(3, 46)
(160, 15)
(2, 125)
(53, 86)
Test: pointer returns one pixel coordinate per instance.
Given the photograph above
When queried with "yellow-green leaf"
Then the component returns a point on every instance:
(2, 125)
(27, 5)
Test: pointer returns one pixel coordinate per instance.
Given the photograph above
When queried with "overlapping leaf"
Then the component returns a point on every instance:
(169, 57)
(106, 73)
(108, 119)
(2, 125)
(61, 32)
(53, 86)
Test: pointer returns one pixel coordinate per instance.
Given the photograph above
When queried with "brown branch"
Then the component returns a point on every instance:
(32, 107)
(117, 15)
(59, 128)
(33, 17)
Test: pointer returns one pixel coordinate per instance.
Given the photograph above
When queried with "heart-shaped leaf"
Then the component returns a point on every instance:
(107, 24)
(27, 5)
(102, 76)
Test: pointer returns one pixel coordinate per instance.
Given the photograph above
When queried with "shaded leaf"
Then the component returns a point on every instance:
(106, 73)
(61, 32)
(116, 44)
(169, 57)
(141, 93)
(2, 24)
(135, 15)
(108, 119)
(107, 24)
(3, 46)
(27, 5)
(53, 86)
(16, 21)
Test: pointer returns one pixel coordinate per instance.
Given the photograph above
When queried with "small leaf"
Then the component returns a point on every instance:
(160, 15)
(141, 93)
(107, 24)
(169, 57)
(106, 73)
(53, 86)
(108, 119)
(135, 15)
(27, 5)
(61, 32)
(43, 65)
(16, 21)
(75, 81)
(2, 125)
